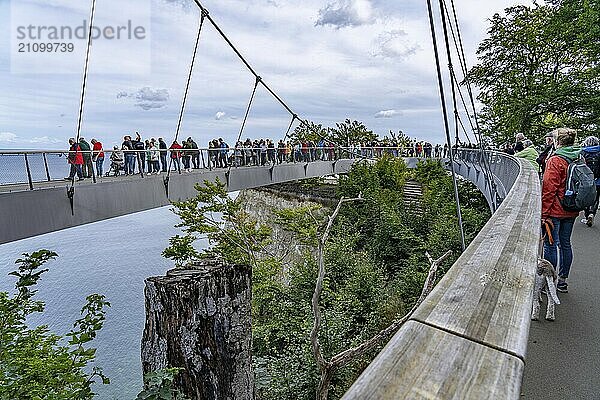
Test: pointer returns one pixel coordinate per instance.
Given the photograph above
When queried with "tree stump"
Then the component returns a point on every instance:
(199, 319)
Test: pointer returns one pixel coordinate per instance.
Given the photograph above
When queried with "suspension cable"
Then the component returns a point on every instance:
(294, 118)
(203, 15)
(241, 57)
(85, 69)
(256, 82)
(71, 190)
(446, 125)
(486, 165)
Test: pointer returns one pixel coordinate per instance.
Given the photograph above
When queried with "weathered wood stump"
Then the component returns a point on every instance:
(198, 319)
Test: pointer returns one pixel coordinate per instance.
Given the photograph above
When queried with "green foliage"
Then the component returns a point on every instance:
(374, 259)
(344, 133)
(349, 132)
(539, 69)
(33, 362)
(158, 385)
(233, 236)
(310, 131)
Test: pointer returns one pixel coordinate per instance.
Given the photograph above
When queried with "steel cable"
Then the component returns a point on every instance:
(203, 15)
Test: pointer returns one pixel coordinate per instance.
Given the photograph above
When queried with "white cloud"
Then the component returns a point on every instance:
(394, 44)
(44, 140)
(147, 98)
(387, 114)
(7, 137)
(346, 13)
(219, 115)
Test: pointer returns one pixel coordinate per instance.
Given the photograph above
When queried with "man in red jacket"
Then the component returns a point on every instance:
(75, 159)
(553, 190)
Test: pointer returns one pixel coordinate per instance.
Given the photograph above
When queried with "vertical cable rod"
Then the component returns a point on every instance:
(446, 124)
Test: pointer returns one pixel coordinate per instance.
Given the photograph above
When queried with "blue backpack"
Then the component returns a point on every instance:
(580, 188)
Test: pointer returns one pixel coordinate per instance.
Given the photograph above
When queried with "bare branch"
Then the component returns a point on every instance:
(348, 355)
(314, 334)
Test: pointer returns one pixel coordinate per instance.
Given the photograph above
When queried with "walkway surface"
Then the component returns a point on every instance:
(563, 357)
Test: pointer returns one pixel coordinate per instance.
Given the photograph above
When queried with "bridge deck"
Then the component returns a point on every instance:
(563, 357)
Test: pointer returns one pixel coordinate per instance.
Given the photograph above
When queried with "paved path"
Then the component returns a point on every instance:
(563, 357)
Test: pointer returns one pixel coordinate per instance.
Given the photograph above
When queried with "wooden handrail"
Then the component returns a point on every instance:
(468, 339)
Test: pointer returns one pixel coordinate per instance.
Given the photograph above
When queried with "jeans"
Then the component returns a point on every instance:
(562, 238)
(129, 163)
(99, 165)
(163, 161)
(176, 164)
(76, 169)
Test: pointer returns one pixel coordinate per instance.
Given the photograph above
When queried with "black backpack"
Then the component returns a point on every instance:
(580, 187)
(593, 161)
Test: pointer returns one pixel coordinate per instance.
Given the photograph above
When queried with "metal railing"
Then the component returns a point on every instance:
(34, 167)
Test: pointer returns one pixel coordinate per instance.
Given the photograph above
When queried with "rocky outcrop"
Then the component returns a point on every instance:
(199, 319)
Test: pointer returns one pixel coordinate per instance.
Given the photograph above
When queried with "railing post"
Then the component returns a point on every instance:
(28, 172)
(46, 166)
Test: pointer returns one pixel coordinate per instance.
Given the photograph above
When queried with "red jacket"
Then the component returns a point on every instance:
(553, 188)
(98, 147)
(75, 156)
(174, 153)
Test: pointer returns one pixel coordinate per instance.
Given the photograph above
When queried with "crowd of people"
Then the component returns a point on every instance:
(153, 156)
(555, 160)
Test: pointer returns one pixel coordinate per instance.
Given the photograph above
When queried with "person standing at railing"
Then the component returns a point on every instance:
(175, 155)
(195, 153)
(138, 145)
(526, 150)
(187, 155)
(148, 156)
(162, 146)
(75, 160)
(98, 157)
(127, 147)
(223, 153)
(86, 152)
(154, 157)
(553, 191)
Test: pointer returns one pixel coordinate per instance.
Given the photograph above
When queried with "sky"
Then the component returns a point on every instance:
(369, 60)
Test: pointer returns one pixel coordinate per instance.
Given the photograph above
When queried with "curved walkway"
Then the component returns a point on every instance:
(563, 357)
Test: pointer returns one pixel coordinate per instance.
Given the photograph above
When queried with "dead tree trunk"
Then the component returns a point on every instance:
(198, 319)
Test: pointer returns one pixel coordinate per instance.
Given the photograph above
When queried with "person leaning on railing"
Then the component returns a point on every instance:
(98, 156)
(75, 160)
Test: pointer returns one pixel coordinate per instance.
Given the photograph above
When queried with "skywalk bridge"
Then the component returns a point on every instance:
(467, 340)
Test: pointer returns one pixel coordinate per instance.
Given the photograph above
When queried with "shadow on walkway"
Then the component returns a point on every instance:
(563, 357)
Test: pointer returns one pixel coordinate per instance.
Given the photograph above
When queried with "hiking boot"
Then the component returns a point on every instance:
(562, 287)
(590, 220)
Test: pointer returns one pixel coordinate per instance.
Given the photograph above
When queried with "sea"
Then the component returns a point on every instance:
(13, 167)
(111, 257)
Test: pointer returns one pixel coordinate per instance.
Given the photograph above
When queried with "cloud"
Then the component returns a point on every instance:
(11, 138)
(219, 115)
(7, 137)
(147, 98)
(346, 13)
(393, 44)
(387, 114)
(44, 140)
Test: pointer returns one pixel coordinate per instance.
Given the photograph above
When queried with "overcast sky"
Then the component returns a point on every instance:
(369, 60)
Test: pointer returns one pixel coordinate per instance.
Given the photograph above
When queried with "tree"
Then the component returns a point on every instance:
(351, 132)
(539, 69)
(369, 260)
(34, 364)
(309, 131)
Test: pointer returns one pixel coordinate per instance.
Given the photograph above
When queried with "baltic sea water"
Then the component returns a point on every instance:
(111, 257)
